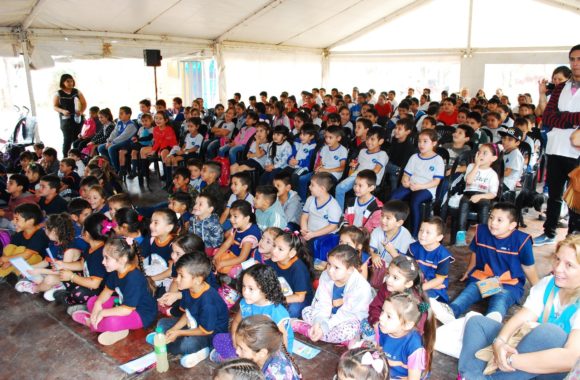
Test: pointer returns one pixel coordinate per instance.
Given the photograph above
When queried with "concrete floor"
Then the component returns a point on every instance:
(40, 341)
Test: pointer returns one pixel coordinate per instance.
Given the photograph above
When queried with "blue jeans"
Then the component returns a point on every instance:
(392, 172)
(303, 182)
(480, 332)
(415, 200)
(500, 302)
(267, 178)
(112, 153)
(295, 309)
(187, 344)
(342, 188)
(232, 152)
(212, 149)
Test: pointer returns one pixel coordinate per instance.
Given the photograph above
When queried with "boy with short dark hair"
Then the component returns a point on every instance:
(461, 137)
(79, 209)
(117, 202)
(49, 161)
(76, 155)
(194, 166)
(26, 158)
(50, 202)
(181, 181)
(289, 199)
(206, 313)
(365, 209)
(433, 258)
(479, 137)
(512, 157)
(210, 174)
(499, 251)
(401, 150)
(391, 238)
(30, 241)
(269, 212)
(240, 187)
(86, 184)
(18, 190)
(371, 158)
(67, 168)
(493, 125)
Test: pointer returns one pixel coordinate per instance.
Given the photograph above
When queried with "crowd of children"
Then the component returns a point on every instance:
(312, 217)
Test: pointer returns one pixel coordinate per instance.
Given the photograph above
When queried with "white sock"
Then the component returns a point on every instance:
(496, 316)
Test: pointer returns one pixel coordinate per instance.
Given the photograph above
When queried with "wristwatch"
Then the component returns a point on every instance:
(510, 360)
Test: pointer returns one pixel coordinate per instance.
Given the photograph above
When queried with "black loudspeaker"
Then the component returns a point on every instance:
(152, 57)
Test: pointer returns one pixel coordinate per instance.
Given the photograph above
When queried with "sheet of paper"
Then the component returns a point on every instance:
(21, 264)
(140, 364)
(304, 350)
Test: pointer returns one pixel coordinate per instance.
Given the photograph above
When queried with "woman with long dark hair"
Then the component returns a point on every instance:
(70, 104)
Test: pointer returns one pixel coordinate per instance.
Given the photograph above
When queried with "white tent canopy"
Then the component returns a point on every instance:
(307, 40)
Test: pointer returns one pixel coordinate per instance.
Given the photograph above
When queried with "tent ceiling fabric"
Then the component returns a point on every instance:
(316, 24)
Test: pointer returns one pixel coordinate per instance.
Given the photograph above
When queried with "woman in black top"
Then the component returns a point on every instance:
(70, 105)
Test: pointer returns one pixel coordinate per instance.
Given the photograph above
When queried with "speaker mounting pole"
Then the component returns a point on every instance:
(155, 75)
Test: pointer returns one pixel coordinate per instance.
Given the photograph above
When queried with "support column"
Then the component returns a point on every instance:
(472, 73)
(325, 68)
(26, 58)
(222, 89)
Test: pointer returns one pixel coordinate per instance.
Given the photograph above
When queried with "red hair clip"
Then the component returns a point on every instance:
(140, 218)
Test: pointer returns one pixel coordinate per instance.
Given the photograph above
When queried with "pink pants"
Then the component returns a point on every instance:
(128, 322)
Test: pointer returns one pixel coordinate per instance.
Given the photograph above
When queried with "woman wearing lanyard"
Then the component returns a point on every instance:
(70, 104)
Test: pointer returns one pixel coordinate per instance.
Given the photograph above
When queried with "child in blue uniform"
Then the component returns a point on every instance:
(262, 295)
(259, 339)
(266, 245)
(79, 209)
(433, 258)
(205, 313)
(409, 354)
(498, 250)
(137, 308)
(85, 278)
(291, 261)
(157, 246)
(244, 238)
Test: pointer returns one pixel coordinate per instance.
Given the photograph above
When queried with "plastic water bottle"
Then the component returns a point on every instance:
(160, 350)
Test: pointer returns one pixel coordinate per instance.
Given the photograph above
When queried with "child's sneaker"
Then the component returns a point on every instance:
(443, 312)
(26, 286)
(49, 294)
(215, 357)
(460, 239)
(300, 327)
(191, 360)
(82, 317)
(71, 309)
(150, 338)
(111, 337)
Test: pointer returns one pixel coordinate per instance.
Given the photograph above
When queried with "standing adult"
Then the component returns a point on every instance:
(70, 104)
(562, 117)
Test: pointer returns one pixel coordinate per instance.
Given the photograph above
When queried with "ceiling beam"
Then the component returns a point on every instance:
(323, 21)
(565, 5)
(33, 13)
(271, 5)
(407, 8)
(157, 16)
(437, 51)
(469, 25)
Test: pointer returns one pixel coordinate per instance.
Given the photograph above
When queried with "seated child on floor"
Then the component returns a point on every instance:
(363, 363)
(291, 260)
(499, 252)
(156, 248)
(269, 212)
(258, 338)
(409, 353)
(404, 276)
(210, 174)
(240, 187)
(50, 202)
(29, 242)
(98, 199)
(289, 199)
(357, 238)
(205, 313)
(242, 369)
(391, 239)
(422, 175)
(266, 245)
(85, 278)
(136, 308)
(60, 231)
(18, 190)
(237, 247)
(195, 166)
(189, 244)
(205, 223)
(262, 295)
(117, 202)
(341, 301)
(365, 208)
(433, 258)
